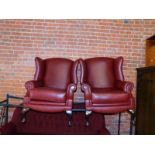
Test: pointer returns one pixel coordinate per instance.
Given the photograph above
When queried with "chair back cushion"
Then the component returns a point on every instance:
(100, 72)
(57, 73)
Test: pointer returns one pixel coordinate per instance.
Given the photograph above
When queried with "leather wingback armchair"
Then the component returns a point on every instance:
(104, 87)
(53, 87)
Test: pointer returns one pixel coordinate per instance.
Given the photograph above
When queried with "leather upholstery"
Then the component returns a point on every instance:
(118, 69)
(53, 87)
(100, 72)
(102, 82)
(111, 95)
(48, 94)
(57, 73)
(40, 69)
(126, 86)
(33, 84)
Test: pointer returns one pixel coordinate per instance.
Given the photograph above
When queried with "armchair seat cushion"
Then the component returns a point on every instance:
(109, 95)
(48, 94)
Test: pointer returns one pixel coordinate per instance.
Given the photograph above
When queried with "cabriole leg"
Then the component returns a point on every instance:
(23, 114)
(69, 115)
(87, 115)
(132, 120)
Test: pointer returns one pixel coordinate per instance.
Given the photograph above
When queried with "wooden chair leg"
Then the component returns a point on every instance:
(87, 116)
(23, 114)
(131, 120)
(69, 115)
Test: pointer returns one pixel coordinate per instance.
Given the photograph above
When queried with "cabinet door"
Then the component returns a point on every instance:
(145, 120)
(150, 58)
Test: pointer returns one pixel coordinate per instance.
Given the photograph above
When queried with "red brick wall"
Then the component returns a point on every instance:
(22, 40)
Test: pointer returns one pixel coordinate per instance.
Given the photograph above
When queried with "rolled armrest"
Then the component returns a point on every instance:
(70, 90)
(125, 86)
(87, 90)
(33, 84)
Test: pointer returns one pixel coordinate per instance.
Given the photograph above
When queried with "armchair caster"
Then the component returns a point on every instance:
(23, 114)
(87, 115)
(69, 115)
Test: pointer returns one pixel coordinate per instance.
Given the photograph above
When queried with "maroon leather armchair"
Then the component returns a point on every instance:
(53, 87)
(104, 87)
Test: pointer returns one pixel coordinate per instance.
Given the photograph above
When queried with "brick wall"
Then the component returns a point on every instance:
(22, 40)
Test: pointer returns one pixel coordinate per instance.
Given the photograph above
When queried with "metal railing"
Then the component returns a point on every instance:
(5, 105)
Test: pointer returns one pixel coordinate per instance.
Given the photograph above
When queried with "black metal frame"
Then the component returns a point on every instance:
(132, 121)
(3, 113)
(7, 105)
(119, 122)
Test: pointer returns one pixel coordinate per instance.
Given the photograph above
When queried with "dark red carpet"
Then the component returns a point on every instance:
(55, 124)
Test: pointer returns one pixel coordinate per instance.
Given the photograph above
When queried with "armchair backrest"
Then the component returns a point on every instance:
(101, 72)
(56, 72)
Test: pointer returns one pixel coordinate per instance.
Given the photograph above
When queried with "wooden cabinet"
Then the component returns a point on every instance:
(145, 113)
(150, 51)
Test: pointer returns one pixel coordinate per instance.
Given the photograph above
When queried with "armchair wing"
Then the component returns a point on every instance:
(87, 90)
(33, 84)
(126, 86)
(70, 93)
